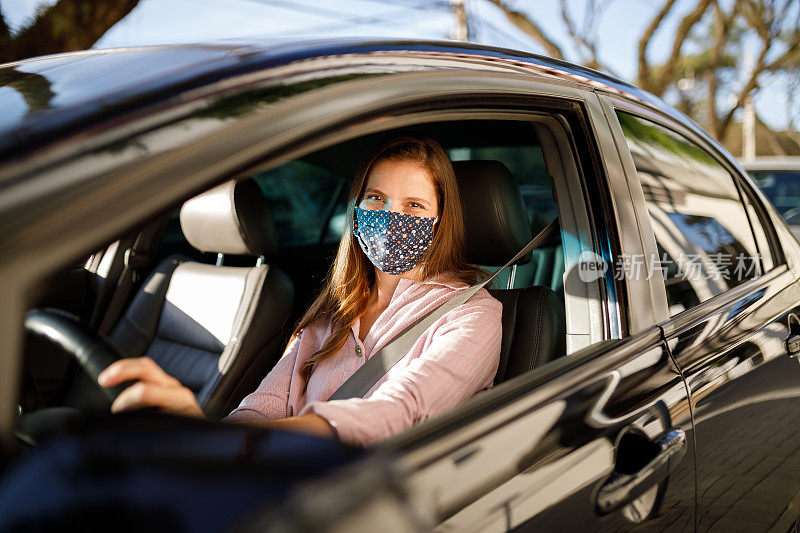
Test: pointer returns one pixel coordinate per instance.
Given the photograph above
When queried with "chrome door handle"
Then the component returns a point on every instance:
(793, 341)
(622, 488)
(793, 345)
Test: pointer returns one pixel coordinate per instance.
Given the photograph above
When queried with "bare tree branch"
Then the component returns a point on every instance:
(521, 21)
(645, 80)
(66, 26)
(585, 38)
(793, 136)
(576, 37)
(748, 88)
(763, 18)
(687, 24)
(579, 37)
(772, 137)
(711, 72)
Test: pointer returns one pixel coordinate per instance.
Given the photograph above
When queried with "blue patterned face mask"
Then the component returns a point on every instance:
(393, 242)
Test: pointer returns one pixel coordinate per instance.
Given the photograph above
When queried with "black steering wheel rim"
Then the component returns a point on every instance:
(90, 350)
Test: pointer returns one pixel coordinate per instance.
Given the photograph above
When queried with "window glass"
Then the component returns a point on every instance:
(782, 187)
(526, 164)
(705, 242)
(307, 202)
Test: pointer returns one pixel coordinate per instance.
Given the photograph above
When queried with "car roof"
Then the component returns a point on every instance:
(772, 162)
(42, 97)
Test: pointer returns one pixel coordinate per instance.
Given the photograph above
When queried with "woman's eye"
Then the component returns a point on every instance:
(373, 201)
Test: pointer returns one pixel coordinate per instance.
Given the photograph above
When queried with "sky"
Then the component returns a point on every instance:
(185, 21)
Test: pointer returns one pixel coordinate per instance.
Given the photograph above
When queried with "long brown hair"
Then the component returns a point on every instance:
(351, 278)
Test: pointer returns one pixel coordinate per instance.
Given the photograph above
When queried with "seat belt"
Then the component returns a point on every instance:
(114, 254)
(363, 379)
(137, 258)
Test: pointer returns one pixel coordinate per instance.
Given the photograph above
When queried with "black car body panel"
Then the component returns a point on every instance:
(746, 405)
(559, 458)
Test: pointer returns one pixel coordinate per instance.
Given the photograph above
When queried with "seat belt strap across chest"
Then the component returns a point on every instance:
(363, 379)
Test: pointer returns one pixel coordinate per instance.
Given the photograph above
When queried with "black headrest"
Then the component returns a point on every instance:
(495, 217)
(233, 218)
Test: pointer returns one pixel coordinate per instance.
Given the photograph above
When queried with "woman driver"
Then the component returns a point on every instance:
(405, 256)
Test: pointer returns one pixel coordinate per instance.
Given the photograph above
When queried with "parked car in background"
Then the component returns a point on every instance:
(648, 380)
(779, 178)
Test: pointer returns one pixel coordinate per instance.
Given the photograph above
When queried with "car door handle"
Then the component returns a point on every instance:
(661, 456)
(793, 340)
(793, 345)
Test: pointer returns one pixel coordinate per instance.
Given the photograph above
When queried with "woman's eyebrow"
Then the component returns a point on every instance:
(370, 189)
(418, 200)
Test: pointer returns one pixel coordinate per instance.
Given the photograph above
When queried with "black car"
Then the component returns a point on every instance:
(649, 376)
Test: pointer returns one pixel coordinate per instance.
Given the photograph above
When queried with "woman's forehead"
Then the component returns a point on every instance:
(401, 178)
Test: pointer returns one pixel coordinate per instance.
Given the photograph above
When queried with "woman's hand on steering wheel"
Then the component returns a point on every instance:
(153, 388)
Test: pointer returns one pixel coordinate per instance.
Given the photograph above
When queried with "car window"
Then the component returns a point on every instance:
(705, 243)
(307, 201)
(782, 187)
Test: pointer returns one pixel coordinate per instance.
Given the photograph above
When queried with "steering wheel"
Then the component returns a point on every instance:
(65, 330)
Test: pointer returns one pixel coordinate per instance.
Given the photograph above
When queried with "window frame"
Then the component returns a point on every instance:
(589, 311)
(614, 105)
(754, 194)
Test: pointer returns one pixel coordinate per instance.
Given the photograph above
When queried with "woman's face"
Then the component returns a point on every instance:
(405, 186)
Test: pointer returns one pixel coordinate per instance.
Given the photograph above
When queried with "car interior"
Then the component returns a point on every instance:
(212, 290)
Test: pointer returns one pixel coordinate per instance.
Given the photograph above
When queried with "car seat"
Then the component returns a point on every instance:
(217, 329)
(497, 227)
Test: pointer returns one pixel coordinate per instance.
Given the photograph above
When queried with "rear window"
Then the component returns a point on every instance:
(705, 242)
(307, 202)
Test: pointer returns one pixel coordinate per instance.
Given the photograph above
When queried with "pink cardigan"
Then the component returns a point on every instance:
(455, 358)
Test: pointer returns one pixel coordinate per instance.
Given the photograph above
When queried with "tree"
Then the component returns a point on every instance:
(66, 26)
(711, 85)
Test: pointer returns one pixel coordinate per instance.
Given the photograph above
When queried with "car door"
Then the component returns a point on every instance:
(598, 440)
(732, 325)
(584, 447)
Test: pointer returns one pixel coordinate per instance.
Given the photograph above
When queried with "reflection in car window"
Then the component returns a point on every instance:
(307, 202)
(704, 239)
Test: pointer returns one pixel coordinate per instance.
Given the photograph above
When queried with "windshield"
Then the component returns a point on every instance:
(782, 187)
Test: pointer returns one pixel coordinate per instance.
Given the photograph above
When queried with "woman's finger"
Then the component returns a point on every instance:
(135, 369)
(177, 400)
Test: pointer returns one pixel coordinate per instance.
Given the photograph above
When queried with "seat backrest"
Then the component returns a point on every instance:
(217, 329)
(534, 329)
(497, 227)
